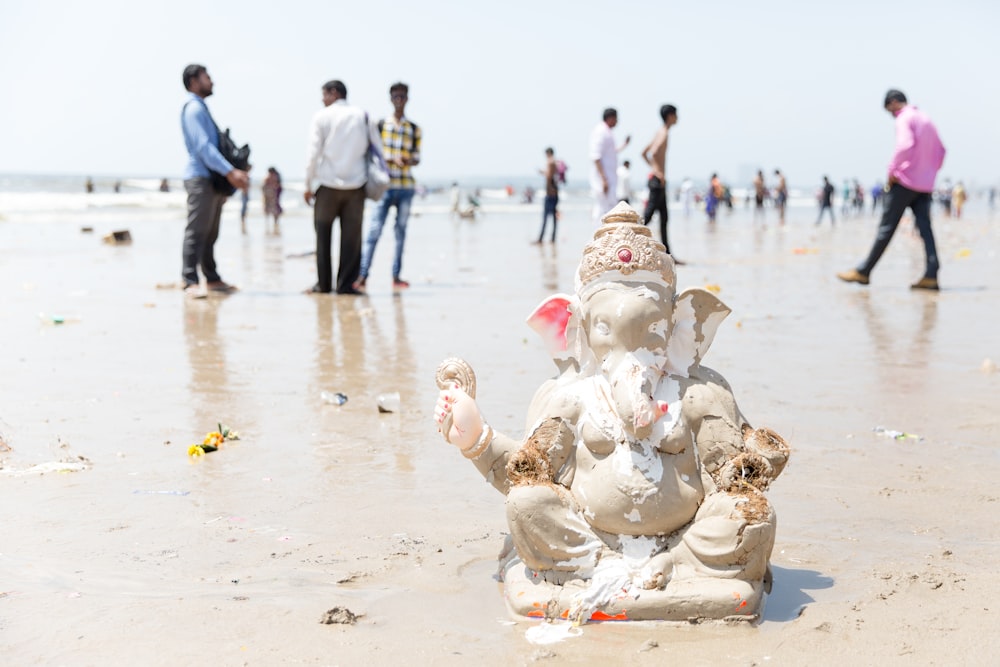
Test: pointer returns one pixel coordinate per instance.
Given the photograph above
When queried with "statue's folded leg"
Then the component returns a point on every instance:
(549, 530)
(731, 537)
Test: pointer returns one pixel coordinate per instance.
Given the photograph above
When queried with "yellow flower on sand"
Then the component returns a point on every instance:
(196, 451)
(214, 439)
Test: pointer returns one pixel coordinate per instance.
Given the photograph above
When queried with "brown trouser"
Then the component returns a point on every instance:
(349, 206)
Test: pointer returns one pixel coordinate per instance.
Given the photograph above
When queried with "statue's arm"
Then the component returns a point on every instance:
(713, 416)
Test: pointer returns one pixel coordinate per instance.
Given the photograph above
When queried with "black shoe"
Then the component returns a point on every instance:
(350, 291)
(316, 289)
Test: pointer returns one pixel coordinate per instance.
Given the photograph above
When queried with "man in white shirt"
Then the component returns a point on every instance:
(604, 160)
(336, 163)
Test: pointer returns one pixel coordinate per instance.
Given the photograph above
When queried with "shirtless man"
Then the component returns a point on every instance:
(655, 155)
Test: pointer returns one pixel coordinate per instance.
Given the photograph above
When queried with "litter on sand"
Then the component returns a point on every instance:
(68, 465)
(895, 435)
(118, 237)
(333, 398)
(388, 402)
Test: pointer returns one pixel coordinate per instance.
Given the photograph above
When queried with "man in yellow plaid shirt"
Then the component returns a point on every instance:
(401, 148)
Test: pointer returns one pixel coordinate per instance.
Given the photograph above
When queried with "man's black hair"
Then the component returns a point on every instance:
(666, 110)
(336, 85)
(894, 96)
(549, 151)
(192, 72)
(610, 112)
(399, 85)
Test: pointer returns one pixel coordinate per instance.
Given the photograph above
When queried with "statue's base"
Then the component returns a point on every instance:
(528, 595)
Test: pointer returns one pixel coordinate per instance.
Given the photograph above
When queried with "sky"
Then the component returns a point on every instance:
(95, 87)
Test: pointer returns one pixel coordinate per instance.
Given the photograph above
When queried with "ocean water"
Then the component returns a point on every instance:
(55, 197)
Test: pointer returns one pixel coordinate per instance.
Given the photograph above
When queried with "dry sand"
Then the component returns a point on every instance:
(886, 549)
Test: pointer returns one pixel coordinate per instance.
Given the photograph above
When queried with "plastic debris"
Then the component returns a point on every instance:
(64, 466)
(86, 229)
(715, 289)
(388, 402)
(895, 435)
(333, 398)
(805, 251)
(53, 319)
(964, 252)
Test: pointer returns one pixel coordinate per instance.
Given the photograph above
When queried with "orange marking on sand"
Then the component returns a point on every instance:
(736, 596)
(537, 605)
(565, 614)
(536, 614)
(741, 605)
(601, 616)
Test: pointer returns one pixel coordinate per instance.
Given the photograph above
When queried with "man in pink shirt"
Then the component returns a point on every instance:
(918, 157)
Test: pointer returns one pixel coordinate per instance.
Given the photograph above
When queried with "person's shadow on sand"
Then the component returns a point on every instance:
(788, 595)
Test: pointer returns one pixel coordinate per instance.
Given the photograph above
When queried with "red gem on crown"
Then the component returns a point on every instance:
(625, 255)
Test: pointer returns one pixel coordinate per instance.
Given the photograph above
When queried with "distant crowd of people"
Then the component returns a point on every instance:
(346, 148)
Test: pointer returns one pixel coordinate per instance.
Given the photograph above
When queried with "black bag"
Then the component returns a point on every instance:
(238, 157)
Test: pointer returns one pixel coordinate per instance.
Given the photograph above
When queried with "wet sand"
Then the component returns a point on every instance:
(885, 548)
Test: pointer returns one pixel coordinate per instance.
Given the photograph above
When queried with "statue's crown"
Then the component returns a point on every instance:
(623, 244)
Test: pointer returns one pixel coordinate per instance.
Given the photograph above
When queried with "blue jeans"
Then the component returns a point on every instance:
(897, 200)
(401, 199)
(551, 204)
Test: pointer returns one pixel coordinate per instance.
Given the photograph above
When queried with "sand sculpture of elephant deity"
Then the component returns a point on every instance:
(638, 492)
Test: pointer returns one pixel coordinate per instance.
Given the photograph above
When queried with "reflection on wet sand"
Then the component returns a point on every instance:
(263, 263)
(549, 266)
(902, 337)
(356, 355)
(209, 383)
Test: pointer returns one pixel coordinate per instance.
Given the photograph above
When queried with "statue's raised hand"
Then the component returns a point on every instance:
(458, 417)
(456, 412)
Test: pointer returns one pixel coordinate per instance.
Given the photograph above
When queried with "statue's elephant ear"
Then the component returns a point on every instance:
(697, 316)
(550, 319)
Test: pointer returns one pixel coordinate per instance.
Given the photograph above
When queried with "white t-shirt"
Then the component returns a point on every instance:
(602, 147)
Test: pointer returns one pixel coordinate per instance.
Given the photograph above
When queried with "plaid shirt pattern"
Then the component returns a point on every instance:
(400, 140)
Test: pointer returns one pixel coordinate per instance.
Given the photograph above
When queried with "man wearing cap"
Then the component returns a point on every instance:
(914, 166)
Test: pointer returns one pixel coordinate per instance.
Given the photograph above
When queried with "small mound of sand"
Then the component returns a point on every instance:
(341, 615)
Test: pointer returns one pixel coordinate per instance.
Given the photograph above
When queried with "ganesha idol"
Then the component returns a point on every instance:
(638, 493)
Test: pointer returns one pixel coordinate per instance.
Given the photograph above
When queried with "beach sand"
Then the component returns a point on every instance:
(885, 550)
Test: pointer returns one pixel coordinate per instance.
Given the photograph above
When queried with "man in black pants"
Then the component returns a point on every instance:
(338, 146)
(914, 166)
(655, 155)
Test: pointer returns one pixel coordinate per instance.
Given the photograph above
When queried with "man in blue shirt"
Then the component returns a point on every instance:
(201, 136)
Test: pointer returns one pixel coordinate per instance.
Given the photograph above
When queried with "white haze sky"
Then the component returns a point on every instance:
(95, 87)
